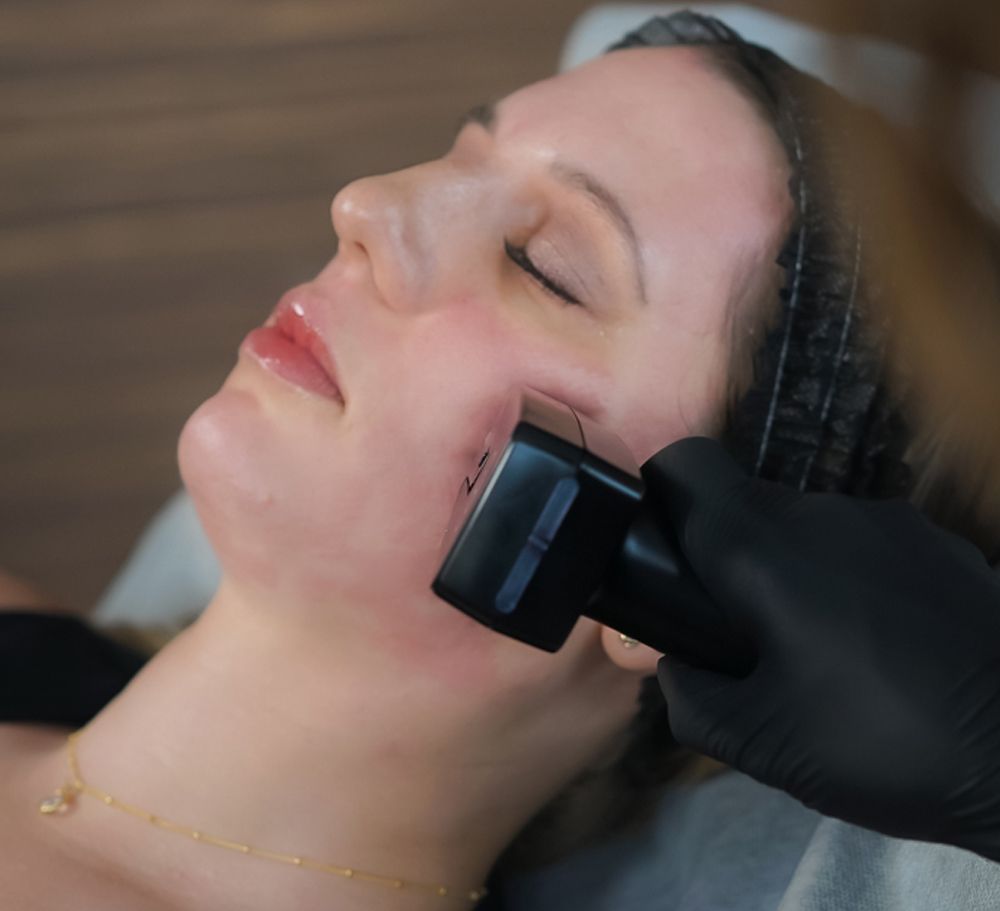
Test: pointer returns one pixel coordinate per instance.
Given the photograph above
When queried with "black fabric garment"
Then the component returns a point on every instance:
(55, 668)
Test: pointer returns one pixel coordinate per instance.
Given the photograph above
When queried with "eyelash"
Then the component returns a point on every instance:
(519, 256)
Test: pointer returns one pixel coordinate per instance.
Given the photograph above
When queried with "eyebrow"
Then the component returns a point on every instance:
(485, 115)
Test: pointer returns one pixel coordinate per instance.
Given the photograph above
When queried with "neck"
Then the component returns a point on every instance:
(254, 732)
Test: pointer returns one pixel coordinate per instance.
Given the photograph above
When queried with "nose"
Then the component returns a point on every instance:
(421, 229)
(371, 213)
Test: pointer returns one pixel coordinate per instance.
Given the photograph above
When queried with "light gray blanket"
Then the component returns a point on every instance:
(731, 844)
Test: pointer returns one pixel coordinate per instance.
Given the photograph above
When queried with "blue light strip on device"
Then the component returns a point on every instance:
(549, 522)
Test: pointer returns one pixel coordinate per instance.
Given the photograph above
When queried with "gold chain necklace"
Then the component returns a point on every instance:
(64, 799)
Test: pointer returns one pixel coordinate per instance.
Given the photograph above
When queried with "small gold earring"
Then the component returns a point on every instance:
(628, 641)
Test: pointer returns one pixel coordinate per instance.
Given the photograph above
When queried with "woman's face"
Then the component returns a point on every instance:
(642, 183)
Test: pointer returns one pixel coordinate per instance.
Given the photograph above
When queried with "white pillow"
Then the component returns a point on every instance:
(170, 574)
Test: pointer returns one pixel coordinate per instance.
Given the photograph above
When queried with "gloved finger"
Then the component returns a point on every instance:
(715, 714)
(714, 514)
(689, 477)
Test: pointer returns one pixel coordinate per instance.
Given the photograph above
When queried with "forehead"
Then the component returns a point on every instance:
(696, 167)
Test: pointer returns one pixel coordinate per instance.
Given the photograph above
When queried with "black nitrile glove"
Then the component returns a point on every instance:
(876, 693)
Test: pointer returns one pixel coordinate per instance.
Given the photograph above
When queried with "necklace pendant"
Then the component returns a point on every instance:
(59, 802)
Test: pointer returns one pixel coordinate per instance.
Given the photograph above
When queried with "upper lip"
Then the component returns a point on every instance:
(298, 315)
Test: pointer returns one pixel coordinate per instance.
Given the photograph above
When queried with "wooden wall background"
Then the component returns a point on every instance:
(166, 171)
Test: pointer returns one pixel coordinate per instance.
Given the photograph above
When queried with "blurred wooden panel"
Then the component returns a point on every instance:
(166, 172)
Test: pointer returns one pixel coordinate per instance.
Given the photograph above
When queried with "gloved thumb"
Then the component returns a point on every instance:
(697, 485)
(723, 522)
(689, 473)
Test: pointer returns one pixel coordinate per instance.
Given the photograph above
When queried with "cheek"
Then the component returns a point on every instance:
(426, 431)
(318, 504)
(339, 517)
(671, 387)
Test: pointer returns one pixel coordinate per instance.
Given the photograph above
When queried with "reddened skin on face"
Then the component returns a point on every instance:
(440, 299)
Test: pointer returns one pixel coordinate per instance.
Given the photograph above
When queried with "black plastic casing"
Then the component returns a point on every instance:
(553, 526)
(538, 537)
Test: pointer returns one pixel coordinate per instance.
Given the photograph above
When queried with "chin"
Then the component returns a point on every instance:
(314, 531)
(274, 520)
(219, 450)
(223, 454)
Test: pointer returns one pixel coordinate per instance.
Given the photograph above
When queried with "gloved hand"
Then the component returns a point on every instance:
(876, 693)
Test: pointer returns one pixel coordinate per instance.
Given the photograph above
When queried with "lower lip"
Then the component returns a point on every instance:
(276, 353)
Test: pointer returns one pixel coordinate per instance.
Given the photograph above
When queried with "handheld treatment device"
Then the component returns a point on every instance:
(551, 525)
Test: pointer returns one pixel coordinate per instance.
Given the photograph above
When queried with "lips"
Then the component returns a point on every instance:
(291, 344)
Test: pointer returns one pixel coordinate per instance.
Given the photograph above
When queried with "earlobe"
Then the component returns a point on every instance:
(638, 657)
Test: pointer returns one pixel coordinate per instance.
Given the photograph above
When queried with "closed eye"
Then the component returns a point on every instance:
(519, 257)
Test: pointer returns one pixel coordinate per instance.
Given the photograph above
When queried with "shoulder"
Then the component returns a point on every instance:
(37, 873)
(22, 746)
(18, 739)
(24, 866)
(19, 594)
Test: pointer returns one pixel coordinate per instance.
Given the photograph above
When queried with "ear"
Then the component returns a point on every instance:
(639, 658)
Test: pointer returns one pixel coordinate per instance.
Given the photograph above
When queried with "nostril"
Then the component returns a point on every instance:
(357, 259)
(353, 249)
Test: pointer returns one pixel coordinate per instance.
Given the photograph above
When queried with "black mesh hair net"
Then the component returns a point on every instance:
(819, 414)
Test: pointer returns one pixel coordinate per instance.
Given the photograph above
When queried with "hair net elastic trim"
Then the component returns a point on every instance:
(789, 320)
